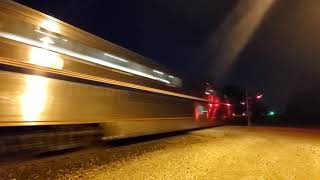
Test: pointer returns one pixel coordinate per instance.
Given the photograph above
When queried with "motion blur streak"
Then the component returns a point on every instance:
(235, 32)
(34, 98)
(45, 43)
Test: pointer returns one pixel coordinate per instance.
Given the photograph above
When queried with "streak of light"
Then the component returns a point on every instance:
(116, 57)
(158, 72)
(34, 98)
(78, 55)
(235, 32)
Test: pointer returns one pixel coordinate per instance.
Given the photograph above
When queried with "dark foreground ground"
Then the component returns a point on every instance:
(217, 153)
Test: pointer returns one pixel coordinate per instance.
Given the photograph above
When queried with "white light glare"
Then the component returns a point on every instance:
(116, 57)
(158, 72)
(50, 26)
(78, 55)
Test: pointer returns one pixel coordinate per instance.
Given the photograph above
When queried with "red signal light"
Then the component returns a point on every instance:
(259, 96)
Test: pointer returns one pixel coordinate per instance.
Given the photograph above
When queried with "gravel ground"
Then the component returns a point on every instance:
(217, 153)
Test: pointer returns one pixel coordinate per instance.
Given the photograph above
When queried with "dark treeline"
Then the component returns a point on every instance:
(304, 108)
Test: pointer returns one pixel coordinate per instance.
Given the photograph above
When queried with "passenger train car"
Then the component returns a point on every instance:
(62, 87)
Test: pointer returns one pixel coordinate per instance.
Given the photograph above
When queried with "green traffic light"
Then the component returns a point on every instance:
(271, 113)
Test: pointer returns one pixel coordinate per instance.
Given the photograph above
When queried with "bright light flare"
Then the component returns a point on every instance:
(259, 96)
(45, 58)
(34, 98)
(235, 32)
(50, 25)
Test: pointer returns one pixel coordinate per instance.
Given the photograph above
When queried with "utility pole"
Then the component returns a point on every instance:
(248, 113)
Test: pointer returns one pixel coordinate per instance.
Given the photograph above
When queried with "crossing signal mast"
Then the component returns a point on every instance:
(248, 102)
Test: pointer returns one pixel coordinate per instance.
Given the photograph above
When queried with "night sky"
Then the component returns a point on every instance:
(281, 58)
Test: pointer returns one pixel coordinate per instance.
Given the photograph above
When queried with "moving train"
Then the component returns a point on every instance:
(62, 87)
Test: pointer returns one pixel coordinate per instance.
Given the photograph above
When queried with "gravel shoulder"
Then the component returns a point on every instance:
(228, 152)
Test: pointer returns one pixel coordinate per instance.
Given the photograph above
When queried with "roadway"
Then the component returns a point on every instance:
(218, 153)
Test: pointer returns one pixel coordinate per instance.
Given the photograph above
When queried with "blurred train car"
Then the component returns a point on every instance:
(62, 87)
